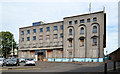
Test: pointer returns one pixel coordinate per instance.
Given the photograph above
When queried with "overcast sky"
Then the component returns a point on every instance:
(22, 13)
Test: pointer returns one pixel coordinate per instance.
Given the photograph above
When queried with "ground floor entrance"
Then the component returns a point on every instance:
(41, 54)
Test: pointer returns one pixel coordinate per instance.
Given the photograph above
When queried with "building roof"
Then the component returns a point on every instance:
(83, 14)
(42, 24)
(64, 18)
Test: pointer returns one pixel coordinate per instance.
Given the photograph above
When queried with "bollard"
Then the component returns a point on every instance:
(114, 66)
(105, 68)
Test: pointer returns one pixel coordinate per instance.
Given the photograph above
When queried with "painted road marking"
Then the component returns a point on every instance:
(20, 69)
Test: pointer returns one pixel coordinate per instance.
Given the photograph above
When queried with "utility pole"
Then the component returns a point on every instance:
(12, 47)
(90, 7)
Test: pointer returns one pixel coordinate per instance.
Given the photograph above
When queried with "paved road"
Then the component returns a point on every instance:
(61, 67)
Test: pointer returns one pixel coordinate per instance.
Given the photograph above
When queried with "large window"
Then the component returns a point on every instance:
(34, 30)
(48, 28)
(22, 32)
(41, 29)
(94, 41)
(70, 31)
(61, 27)
(34, 37)
(82, 30)
(55, 27)
(28, 38)
(28, 31)
(94, 29)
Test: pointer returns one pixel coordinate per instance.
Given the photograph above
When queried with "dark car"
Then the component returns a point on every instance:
(13, 61)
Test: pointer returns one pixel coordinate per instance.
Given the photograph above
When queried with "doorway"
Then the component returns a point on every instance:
(40, 56)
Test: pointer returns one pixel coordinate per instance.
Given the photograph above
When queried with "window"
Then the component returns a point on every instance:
(55, 27)
(41, 29)
(22, 32)
(70, 22)
(22, 39)
(94, 29)
(75, 22)
(41, 37)
(95, 19)
(82, 30)
(70, 43)
(61, 35)
(55, 36)
(88, 20)
(34, 30)
(81, 42)
(47, 36)
(61, 27)
(94, 41)
(48, 28)
(81, 21)
(34, 37)
(70, 32)
(28, 31)
(28, 38)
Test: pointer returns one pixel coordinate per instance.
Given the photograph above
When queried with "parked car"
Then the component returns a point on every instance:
(2, 62)
(12, 61)
(22, 60)
(30, 62)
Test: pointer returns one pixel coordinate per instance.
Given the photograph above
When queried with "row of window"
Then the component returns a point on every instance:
(47, 37)
(82, 30)
(94, 43)
(41, 29)
(82, 21)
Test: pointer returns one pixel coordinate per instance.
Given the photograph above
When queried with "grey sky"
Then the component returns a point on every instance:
(20, 14)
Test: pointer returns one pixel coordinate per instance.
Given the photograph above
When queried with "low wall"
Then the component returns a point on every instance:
(75, 60)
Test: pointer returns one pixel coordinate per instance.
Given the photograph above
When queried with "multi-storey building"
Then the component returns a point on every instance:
(82, 36)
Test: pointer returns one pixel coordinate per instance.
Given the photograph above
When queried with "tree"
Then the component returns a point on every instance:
(7, 42)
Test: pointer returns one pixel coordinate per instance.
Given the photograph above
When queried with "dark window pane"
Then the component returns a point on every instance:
(48, 28)
(94, 29)
(55, 27)
(70, 32)
(34, 30)
(88, 20)
(75, 22)
(34, 37)
(81, 21)
(28, 31)
(28, 38)
(61, 27)
(61, 35)
(95, 19)
(22, 32)
(41, 29)
(82, 30)
(70, 22)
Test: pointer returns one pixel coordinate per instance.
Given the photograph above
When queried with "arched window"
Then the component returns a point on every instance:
(94, 29)
(82, 30)
(70, 31)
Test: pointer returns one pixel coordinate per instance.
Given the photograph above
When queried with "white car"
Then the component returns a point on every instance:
(21, 60)
(30, 62)
(2, 62)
